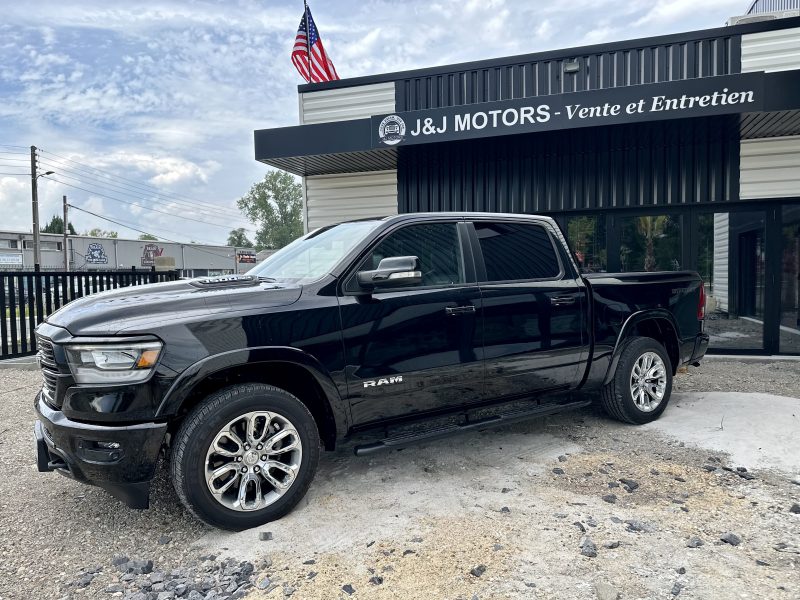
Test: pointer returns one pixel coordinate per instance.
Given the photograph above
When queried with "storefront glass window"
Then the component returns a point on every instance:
(730, 259)
(790, 281)
(650, 243)
(587, 238)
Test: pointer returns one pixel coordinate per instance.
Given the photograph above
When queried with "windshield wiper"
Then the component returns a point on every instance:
(267, 279)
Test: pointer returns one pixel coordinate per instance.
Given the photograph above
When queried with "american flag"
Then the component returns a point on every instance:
(318, 67)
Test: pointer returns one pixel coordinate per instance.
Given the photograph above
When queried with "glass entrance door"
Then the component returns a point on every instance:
(730, 254)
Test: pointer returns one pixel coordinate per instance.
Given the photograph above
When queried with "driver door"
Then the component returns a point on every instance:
(414, 348)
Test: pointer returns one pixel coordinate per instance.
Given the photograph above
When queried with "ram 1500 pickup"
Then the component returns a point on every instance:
(240, 380)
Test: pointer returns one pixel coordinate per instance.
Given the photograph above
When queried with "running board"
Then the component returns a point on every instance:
(405, 439)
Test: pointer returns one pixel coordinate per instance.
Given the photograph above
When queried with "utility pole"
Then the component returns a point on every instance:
(66, 252)
(37, 250)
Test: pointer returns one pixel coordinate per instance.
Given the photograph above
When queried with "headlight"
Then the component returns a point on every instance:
(112, 363)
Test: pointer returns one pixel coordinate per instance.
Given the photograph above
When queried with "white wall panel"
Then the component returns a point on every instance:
(719, 277)
(770, 167)
(334, 198)
(771, 50)
(342, 104)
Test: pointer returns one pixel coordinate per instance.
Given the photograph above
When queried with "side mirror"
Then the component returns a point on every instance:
(392, 272)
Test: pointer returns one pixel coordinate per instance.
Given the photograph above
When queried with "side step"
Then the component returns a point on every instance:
(405, 439)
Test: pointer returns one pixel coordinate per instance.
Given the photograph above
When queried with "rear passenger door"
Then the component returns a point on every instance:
(532, 310)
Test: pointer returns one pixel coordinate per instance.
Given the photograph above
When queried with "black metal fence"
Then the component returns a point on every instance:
(28, 297)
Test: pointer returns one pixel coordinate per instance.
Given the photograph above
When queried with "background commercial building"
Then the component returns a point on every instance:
(110, 254)
(674, 152)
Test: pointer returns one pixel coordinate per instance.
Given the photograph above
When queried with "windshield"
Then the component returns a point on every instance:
(310, 257)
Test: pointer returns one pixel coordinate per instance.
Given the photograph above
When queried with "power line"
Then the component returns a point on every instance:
(95, 192)
(131, 181)
(17, 174)
(127, 190)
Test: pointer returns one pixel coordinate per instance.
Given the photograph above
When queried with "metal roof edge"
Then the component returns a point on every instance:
(700, 34)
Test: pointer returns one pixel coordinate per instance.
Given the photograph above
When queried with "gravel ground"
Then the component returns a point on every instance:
(572, 506)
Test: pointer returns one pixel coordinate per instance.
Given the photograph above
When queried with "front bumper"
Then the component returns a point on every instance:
(121, 460)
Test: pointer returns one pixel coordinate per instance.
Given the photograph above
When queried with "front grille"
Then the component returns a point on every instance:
(47, 362)
(47, 356)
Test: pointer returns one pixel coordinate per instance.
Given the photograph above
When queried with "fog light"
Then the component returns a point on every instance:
(108, 445)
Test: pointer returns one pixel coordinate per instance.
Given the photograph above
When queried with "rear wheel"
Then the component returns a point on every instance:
(244, 456)
(642, 384)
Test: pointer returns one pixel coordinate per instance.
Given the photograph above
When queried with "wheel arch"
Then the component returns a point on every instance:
(290, 369)
(657, 324)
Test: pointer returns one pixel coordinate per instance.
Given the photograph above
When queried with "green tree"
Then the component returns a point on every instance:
(238, 239)
(274, 205)
(56, 225)
(97, 232)
(148, 237)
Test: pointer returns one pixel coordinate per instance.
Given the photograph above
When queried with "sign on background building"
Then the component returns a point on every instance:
(150, 253)
(11, 259)
(245, 256)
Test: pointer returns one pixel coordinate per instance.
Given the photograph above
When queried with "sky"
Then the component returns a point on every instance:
(165, 95)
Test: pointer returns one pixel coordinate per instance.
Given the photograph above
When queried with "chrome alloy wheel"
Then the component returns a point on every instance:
(648, 381)
(253, 461)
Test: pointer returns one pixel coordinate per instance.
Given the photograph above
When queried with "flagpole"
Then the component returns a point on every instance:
(308, 38)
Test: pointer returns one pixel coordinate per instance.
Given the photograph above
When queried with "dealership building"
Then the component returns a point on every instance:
(667, 153)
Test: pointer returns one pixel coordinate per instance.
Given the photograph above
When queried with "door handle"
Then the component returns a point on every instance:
(459, 310)
(562, 300)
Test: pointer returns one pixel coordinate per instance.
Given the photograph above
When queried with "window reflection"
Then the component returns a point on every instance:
(650, 243)
(790, 281)
(587, 238)
(730, 259)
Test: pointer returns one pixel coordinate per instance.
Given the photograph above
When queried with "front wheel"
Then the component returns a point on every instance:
(245, 455)
(642, 384)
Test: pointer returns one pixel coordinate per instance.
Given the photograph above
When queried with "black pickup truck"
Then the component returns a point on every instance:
(365, 325)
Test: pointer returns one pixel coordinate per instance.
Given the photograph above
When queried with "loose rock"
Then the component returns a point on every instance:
(478, 571)
(605, 591)
(588, 547)
(731, 538)
(264, 536)
(610, 498)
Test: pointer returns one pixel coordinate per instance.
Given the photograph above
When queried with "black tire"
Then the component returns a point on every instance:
(206, 420)
(617, 399)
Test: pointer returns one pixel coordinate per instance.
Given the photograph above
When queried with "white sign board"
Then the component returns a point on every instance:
(10, 259)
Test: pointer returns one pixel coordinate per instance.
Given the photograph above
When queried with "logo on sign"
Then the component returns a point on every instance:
(392, 130)
(95, 254)
(150, 253)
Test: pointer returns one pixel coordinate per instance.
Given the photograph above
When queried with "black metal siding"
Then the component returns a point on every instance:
(623, 67)
(650, 164)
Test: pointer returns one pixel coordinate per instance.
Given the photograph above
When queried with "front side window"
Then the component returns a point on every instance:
(515, 251)
(436, 245)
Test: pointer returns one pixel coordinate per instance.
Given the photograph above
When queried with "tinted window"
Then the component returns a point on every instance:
(514, 251)
(435, 244)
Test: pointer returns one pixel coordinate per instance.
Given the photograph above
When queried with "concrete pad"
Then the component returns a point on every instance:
(756, 430)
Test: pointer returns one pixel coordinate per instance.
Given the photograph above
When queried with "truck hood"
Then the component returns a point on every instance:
(135, 309)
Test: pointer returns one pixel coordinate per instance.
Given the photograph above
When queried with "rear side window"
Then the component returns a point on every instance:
(513, 251)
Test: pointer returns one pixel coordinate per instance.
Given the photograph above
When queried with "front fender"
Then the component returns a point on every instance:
(184, 384)
(628, 329)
